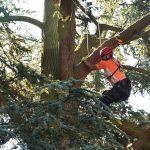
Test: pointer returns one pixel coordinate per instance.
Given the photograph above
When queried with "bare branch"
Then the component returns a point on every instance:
(126, 36)
(140, 70)
(140, 35)
(22, 18)
(131, 129)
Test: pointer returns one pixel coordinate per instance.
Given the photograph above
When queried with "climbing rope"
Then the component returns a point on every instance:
(87, 32)
(99, 30)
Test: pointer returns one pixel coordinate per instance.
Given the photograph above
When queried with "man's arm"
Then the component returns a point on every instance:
(89, 66)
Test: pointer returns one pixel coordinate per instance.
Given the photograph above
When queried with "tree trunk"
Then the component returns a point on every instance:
(66, 31)
(58, 34)
(50, 64)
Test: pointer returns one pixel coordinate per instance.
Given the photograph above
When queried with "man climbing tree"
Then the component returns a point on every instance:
(115, 75)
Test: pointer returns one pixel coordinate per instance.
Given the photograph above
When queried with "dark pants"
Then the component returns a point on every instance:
(120, 92)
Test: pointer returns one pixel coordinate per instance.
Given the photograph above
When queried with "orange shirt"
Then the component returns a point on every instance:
(109, 67)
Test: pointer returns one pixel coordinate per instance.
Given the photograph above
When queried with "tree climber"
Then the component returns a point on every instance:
(114, 73)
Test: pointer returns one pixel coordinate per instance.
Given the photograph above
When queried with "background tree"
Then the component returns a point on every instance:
(68, 120)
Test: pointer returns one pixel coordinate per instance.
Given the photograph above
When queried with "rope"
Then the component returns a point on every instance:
(87, 37)
(99, 33)
(87, 42)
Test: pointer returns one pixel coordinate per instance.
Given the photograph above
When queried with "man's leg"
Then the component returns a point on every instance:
(109, 97)
(119, 92)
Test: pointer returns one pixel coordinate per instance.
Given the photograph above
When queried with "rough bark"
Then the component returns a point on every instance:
(142, 134)
(3, 100)
(141, 145)
(132, 130)
(66, 31)
(50, 56)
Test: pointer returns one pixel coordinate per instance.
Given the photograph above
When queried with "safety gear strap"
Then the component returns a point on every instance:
(109, 77)
(118, 67)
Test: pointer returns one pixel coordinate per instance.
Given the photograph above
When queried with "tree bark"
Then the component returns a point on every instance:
(66, 30)
(132, 130)
(50, 56)
(143, 134)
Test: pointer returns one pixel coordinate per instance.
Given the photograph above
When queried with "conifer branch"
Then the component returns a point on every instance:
(7, 18)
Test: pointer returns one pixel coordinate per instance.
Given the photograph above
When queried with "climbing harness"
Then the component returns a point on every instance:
(118, 68)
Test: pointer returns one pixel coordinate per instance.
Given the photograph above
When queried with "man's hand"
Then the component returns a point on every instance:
(88, 65)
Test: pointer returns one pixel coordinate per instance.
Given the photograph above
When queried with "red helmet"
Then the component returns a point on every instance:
(106, 51)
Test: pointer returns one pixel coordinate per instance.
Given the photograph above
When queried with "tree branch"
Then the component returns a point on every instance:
(35, 22)
(143, 34)
(131, 129)
(126, 36)
(140, 70)
(101, 26)
(93, 41)
(85, 46)
(8, 18)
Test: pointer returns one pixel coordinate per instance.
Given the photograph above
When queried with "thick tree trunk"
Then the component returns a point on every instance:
(50, 57)
(58, 33)
(66, 31)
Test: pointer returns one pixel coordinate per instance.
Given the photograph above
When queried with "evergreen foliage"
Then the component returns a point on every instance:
(77, 111)
(40, 124)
